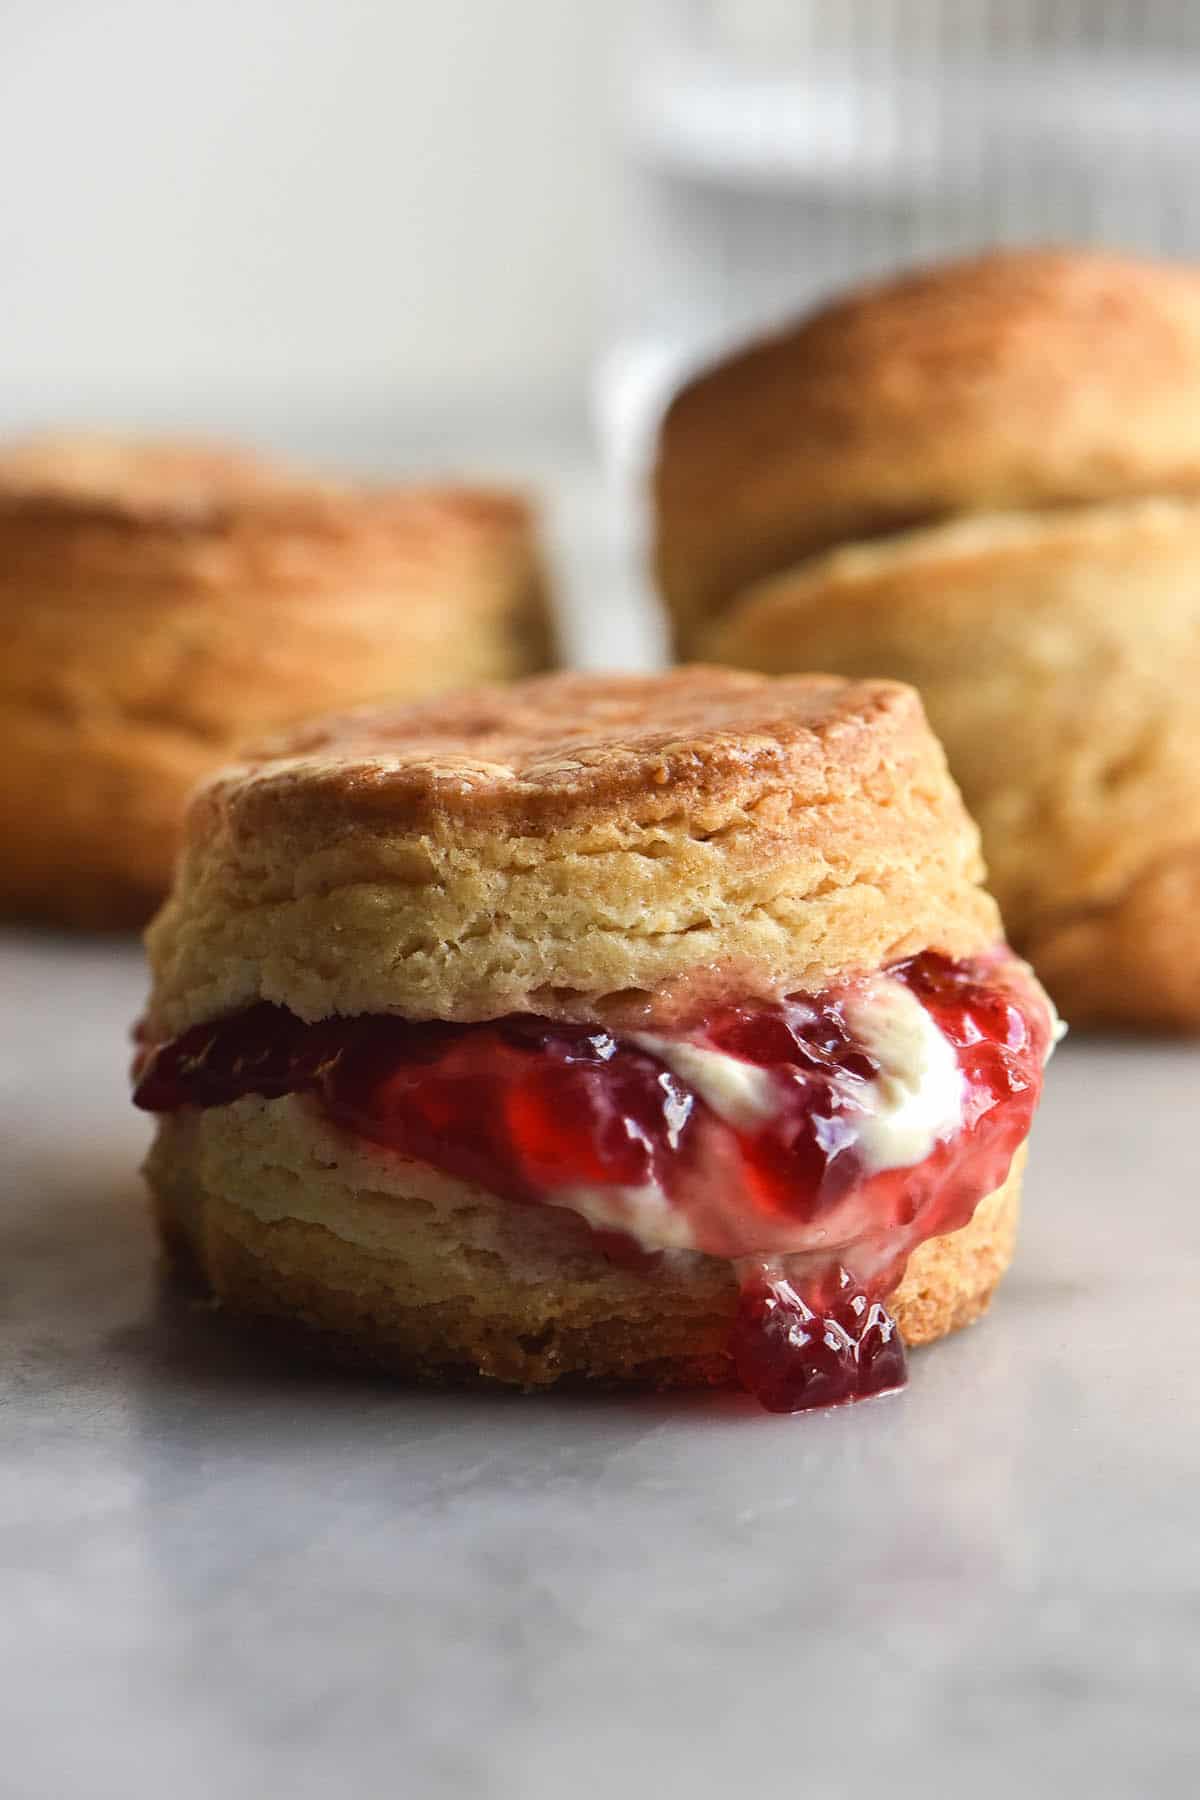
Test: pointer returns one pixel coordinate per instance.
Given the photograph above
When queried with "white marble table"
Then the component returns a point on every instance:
(224, 1577)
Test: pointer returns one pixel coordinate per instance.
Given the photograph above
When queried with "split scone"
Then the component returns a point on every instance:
(159, 602)
(648, 1029)
(985, 479)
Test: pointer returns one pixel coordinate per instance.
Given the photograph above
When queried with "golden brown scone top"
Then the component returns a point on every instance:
(1022, 379)
(62, 481)
(128, 478)
(556, 749)
(571, 844)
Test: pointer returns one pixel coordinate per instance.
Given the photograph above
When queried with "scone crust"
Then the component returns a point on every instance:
(1058, 656)
(571, 842)
(1015, 380)
(436, 1280)
(160, 602)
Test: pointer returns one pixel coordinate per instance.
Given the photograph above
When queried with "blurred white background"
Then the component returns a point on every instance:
(391, 232)
(310, 220)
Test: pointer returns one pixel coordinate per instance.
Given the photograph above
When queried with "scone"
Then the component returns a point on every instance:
(642, 1029)
(985, 480)
(159, 602)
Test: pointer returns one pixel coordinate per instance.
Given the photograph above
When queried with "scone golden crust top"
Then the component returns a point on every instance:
(565, 750)
(1023, 379)
(572, 845)
(192, 510)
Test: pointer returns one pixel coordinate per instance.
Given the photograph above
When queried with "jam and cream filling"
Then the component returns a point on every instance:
(813, 1142)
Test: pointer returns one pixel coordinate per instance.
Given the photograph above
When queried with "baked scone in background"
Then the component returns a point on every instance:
(985, 479)
(158, 602)
(621, 853)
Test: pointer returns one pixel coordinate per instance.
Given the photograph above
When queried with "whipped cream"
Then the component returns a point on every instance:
(739, 1092)
(643, 1213)
(917, 1098)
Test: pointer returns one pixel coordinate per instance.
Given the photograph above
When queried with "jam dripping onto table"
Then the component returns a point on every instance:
(538, 1110)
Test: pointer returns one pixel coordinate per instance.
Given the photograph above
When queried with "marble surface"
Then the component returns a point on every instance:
(225, 1576)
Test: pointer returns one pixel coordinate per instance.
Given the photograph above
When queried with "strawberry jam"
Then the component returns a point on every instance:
(799, 1140)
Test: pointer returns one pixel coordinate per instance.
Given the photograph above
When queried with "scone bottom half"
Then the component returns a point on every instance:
(646, 1030)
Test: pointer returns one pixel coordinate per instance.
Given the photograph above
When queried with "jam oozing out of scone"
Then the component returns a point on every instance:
(814, 1142)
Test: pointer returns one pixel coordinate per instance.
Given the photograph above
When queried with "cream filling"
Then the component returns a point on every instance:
(739, 1092)
(917, 1099)
(642, 1213)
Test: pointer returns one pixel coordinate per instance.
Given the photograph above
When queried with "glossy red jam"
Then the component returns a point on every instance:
(536, 1110)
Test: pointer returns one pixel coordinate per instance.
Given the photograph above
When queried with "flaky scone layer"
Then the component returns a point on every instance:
(158, 603)
(395, 1264)
(1018, 380)
(1058, 656)
(572, 843)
